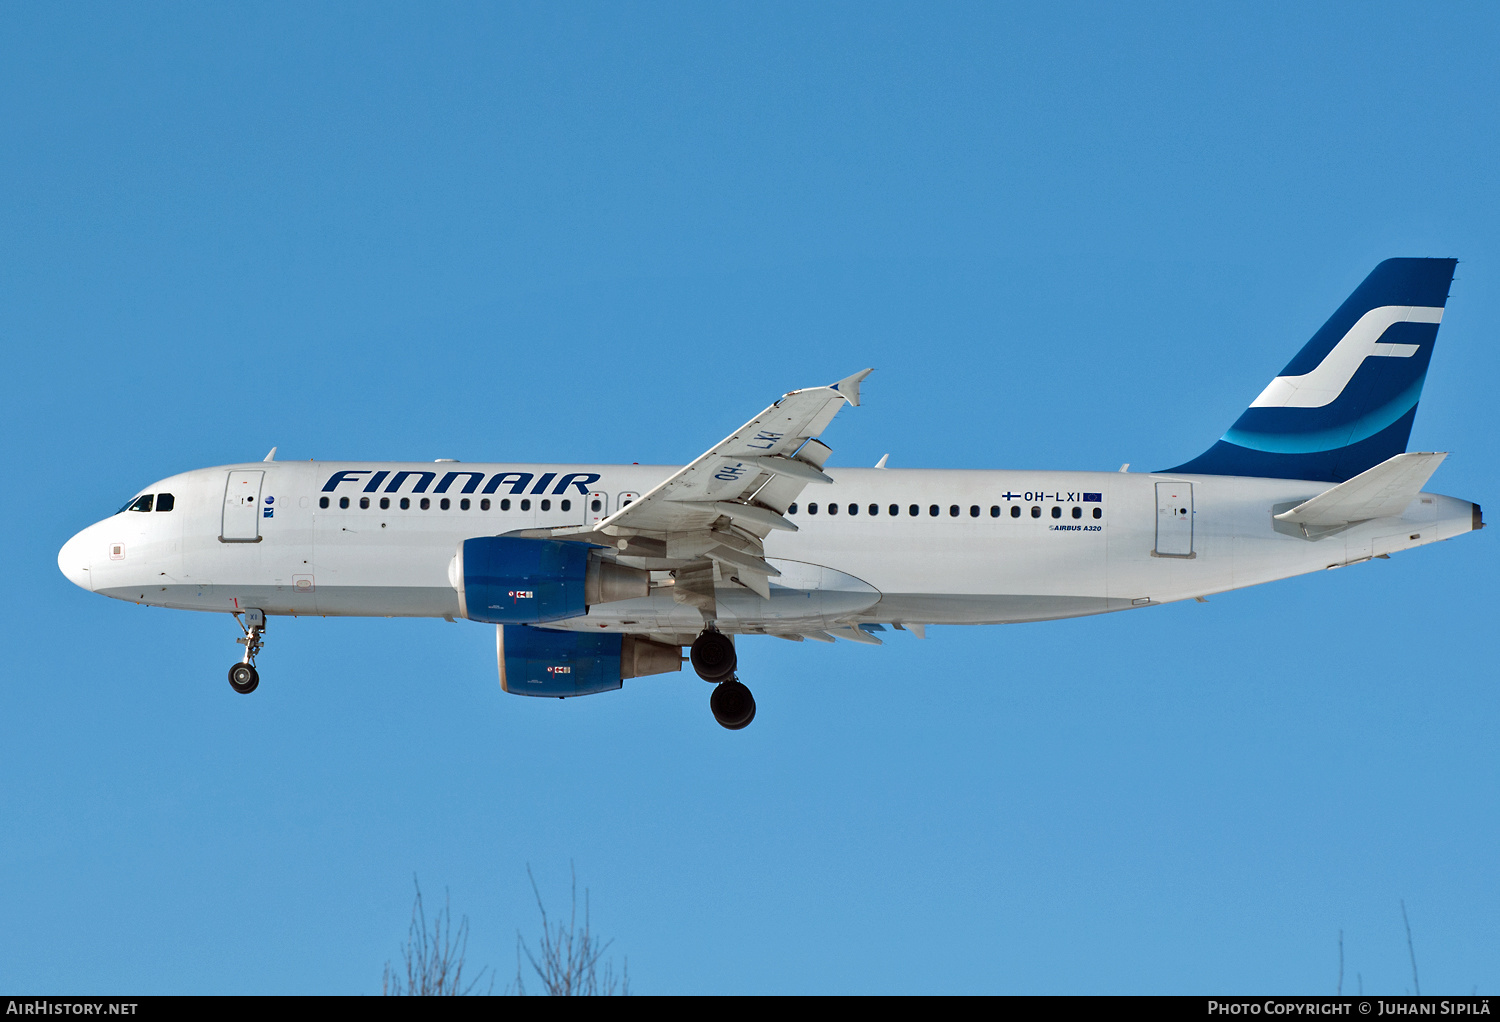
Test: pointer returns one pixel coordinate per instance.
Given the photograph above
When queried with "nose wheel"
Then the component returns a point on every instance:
(243, 677)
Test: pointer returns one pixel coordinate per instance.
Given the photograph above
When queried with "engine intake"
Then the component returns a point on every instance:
(510, 580)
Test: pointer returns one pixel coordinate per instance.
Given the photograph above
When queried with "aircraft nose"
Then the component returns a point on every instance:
(74, 560)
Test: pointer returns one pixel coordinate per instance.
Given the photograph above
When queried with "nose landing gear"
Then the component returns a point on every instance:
(243, 677)
(714, 659)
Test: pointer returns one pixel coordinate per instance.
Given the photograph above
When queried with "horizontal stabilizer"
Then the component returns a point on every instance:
(1378, 492)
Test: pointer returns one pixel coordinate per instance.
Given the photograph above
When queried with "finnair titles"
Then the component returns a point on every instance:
(595, 574)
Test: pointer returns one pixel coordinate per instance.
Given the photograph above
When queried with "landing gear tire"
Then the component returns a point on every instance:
(243, 678)
(713, 656)
(733, 705)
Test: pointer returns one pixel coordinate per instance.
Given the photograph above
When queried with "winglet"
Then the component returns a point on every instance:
(849, 386)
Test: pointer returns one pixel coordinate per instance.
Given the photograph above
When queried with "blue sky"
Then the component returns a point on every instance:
(1066, 236)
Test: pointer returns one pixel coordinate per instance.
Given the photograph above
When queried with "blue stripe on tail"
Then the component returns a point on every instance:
(1347, 401)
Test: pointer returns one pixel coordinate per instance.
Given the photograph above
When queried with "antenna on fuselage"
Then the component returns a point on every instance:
(271, 456)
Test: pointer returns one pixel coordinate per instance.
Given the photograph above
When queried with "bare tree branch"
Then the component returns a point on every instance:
(1410, 950)
(433, 961)
(567, 959)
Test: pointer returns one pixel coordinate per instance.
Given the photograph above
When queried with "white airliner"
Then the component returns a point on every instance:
(593, 574)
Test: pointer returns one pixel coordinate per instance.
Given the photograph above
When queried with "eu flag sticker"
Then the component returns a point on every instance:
(1093, 498)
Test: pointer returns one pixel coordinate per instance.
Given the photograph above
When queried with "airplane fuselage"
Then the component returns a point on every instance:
(919, 546)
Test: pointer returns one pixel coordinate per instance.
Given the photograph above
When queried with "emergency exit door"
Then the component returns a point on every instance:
(1174, 519)
(242, 508)
(596, 508)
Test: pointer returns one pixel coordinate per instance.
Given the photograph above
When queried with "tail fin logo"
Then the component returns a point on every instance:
(1347, 400)
(1323, 385)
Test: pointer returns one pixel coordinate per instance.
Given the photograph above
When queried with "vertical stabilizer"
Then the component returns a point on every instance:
(1347, 401)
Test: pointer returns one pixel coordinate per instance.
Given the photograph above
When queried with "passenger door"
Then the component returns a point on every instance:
(241, 523)
(1174, 519)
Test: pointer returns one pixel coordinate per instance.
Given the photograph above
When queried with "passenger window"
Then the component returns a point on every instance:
(141, 503)
(463, 505)
(406, 503)
(484, 505)
(933, 510)
(854, 509)
(1036, 512)
(525, 503)
(874, 509)
(566, 505)
(833, 509)
(385, 503)
(344, 502)
(426, 504)
(165, 502)
(1098, 512)
(364, 503)
(1056, 511)
(994, 510)
(812, 508)
(505, 504)
(444, 504)
(914, 510)
(1078, 512)
(1015, 510)
(322, 502)
(973, 510)
(894, 510)
(594, 505)
(792, 509)
(952, 510)
(546, 505)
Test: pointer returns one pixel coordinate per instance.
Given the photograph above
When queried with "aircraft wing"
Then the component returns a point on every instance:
(708, 520)
(750, 476)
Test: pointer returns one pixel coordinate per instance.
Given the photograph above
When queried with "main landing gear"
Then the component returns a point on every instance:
(714, 659)
(243, 677)
(733, 705)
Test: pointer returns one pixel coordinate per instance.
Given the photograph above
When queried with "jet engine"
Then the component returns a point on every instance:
(511, 580)
(538, 662)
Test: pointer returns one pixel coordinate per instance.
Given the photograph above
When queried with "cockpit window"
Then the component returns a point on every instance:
(163, 501)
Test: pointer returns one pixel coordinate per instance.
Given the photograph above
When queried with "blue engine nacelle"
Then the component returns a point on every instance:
(509, 580)
(538, 662)
(512, 580)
